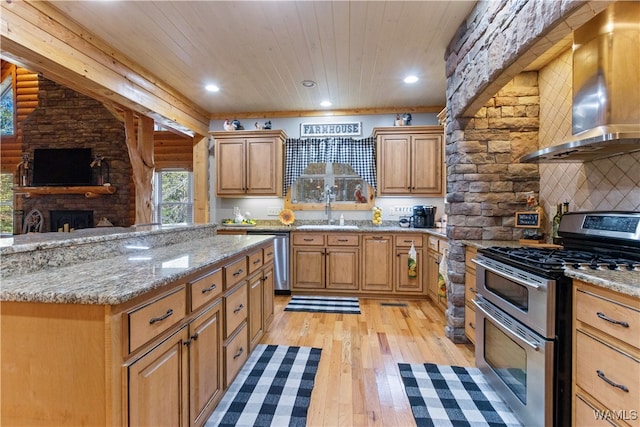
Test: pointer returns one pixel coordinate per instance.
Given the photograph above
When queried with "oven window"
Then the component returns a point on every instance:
(507, 358)
(517, 295)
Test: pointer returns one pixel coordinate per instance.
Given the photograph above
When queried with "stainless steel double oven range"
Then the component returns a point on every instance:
(524, 306)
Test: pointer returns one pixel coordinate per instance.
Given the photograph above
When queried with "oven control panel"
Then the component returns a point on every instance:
(620, 225)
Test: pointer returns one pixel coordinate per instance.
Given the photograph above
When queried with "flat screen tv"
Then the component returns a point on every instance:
(62, 167)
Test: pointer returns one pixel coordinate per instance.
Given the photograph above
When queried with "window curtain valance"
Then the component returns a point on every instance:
(360, 154)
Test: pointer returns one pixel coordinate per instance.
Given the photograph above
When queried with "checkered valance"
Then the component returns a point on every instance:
(359, 153)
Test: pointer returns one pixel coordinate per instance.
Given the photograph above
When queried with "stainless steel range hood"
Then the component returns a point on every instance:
(606, 89)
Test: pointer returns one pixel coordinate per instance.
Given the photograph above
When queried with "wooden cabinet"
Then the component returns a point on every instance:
(606, 356)
(404, 283)
(328, 261)
(470, 293)
(437, 246)
(377, 262)
(249, 163)
(163, 358)
(256, 304)
(410, 160)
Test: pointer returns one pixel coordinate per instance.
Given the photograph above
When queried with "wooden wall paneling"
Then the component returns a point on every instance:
(171, 150)
(43, 39)
(201, 213)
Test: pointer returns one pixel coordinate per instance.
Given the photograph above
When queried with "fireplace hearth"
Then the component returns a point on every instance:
(73, 219)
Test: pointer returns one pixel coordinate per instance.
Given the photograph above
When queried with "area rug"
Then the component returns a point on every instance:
(442, 395)
(324, 304)
(272, 389)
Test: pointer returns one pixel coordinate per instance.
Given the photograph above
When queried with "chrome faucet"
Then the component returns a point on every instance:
(328, 193)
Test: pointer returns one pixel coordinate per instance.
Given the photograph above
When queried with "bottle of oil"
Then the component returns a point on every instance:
(556, 223)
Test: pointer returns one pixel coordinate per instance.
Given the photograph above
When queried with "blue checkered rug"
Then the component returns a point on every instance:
(443, 395)
(317, 304)
(272, 389)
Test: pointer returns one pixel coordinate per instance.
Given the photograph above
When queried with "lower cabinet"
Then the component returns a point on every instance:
(405, 283)
(377, 262)
(469, 294)
(435, 252)
(256, 307)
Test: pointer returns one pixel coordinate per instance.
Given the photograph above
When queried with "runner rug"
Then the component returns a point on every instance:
(324, 304)
(443, 395)
(272, 389)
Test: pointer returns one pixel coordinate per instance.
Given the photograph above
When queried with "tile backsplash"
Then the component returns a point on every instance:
(607, 184)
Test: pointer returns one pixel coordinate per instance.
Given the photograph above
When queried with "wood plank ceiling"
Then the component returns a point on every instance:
(258, 52)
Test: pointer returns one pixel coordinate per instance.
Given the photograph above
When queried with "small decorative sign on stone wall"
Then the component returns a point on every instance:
(311, 130)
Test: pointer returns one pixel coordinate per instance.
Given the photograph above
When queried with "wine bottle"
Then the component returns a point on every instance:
(555, 224)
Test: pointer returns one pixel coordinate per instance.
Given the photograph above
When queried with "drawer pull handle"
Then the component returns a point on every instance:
(343, 240)
(258, 261)
(471, 325)
(604, 378)
(161, 318)
(237, 273)
(239, 353)
(308, 240)
(378, 237)
(209, 289)
(615, 322)
(237, 309)
(270, 254)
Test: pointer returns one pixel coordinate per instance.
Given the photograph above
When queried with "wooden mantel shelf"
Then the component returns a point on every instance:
(89, 191)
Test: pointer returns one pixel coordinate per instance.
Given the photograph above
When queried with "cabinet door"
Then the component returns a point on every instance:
(377, 267)
(308, 267)
(394, 164)
(432, 275)
(403, 282)
(205, 358)
(255, 310)
(261, 173)
(158, 385)
(267, 292)
(230, 167)
(342, 268)
(426, 164)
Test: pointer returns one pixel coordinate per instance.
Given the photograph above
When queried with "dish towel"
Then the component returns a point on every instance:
(412, 261)
(442, 275)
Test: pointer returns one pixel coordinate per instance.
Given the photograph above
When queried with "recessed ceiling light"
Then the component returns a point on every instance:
(326, 103)
(212, 88)
(309, 83)
(410, 79)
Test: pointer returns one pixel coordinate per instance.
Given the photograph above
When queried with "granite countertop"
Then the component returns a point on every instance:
(367, 227)
(118, 279)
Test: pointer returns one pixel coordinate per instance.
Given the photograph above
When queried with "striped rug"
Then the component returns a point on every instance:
(317, 304)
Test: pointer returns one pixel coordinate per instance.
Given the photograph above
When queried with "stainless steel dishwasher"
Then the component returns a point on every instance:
(280, 260)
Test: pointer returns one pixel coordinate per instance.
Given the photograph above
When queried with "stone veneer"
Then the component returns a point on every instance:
(492, 119)
(67, 119)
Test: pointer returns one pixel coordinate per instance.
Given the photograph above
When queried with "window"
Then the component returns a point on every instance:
(6, 203)
(174, 196)
(6, 106)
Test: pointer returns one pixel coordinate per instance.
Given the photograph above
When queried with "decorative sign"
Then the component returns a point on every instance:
(529, 219)
(310, 130)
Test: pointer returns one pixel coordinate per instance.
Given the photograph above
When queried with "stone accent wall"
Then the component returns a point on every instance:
(67, 119)
(492, 119)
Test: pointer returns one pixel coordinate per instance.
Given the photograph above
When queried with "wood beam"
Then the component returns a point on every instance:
(140, 148)
(325, 113)
(37, 36)
(201, 179)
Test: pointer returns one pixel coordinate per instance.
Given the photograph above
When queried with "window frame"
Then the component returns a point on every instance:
(12, 87)
(157, 195)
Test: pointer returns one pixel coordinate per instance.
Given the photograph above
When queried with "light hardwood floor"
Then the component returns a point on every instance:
(357, 383)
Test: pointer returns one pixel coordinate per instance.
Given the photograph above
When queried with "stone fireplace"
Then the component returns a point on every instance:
(67, 119)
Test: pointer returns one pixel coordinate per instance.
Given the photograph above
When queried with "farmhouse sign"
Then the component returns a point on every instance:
(330, 129)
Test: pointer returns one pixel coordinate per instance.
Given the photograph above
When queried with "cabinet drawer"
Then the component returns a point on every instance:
(267, 254)
(599, 367)
(469, 285)
(205, 288)
(343, 240)
(150, 320)
(584, 414)
(235, 309)
(603, 314)
(236, 353)
(234, 273)
(433, 243)
(443, 245)
(405, 240)
(255, 261)
(470, 323)
(470, 253)
(308, 239)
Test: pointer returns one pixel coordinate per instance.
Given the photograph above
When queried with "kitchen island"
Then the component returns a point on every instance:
(151, 331)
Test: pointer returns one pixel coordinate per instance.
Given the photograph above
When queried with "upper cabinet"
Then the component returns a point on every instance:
(249, 163)
(410, 160)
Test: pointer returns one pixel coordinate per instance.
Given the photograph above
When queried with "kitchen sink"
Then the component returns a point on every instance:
(327, 227)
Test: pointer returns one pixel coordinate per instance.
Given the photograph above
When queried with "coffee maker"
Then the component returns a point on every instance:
(423, 216)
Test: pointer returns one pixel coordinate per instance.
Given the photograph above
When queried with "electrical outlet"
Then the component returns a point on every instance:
(273, 211)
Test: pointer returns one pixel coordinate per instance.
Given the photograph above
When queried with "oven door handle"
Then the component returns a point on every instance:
(504, 328)
(505, 274)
